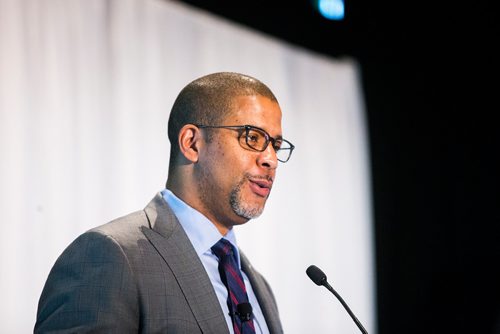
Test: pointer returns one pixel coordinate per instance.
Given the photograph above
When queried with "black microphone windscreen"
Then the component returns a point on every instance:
(244, 311)
(316, 275)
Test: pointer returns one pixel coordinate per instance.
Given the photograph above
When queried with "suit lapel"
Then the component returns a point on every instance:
(170, 240)
(264, 295)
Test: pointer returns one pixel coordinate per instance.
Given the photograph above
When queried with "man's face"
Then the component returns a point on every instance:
(235, 181)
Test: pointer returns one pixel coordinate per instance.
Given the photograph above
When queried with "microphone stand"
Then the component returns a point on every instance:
(319, 278)
(356, 321)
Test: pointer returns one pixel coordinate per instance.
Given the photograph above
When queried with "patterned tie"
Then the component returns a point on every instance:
(231, 277)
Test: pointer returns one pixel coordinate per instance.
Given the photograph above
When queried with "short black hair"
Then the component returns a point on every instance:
(208, 100)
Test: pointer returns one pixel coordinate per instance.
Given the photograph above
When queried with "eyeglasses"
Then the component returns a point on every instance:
(257, 139)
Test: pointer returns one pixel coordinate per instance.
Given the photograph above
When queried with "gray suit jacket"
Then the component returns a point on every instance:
(138, 273)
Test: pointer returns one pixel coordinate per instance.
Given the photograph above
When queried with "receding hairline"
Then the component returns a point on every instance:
(231, 84)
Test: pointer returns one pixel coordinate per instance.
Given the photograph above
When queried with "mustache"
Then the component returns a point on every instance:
(268, 178)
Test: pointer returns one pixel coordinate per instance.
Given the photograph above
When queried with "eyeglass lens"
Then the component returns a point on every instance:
(259, 140)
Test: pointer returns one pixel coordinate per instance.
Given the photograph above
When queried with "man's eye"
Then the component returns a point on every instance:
(254, 138)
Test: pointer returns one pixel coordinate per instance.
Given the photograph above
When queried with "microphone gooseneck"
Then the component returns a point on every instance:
(319, 278)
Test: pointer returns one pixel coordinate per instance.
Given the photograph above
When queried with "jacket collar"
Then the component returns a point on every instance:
(170, 240)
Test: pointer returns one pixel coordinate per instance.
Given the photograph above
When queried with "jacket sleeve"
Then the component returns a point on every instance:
(91, 288)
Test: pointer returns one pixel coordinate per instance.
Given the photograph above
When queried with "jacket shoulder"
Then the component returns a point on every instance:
(125, 228)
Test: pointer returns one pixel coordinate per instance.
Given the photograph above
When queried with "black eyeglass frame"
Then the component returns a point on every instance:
(247, 128)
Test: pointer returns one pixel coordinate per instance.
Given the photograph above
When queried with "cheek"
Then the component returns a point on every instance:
(228, 161)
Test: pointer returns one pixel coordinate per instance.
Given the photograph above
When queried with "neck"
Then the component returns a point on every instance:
(183, 190)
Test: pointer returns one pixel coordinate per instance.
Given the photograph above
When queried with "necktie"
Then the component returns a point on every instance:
(231, 277)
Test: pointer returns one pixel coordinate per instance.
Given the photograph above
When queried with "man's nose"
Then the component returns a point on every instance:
(268, 158)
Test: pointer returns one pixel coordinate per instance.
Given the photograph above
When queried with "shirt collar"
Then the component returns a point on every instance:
(200, 230)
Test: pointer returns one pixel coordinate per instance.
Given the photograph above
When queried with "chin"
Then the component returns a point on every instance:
(248, 212)
(247, 205)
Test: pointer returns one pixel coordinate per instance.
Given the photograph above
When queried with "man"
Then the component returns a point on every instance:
(174, 267)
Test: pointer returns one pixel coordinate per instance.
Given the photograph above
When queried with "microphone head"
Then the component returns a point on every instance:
(244, 311)
(316, 275)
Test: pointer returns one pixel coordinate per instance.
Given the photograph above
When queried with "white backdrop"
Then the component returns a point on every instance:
(85, 91)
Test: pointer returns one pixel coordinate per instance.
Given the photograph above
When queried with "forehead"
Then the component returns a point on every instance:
(258, 111)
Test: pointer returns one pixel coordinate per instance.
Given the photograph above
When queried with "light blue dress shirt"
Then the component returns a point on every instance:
(203, 235)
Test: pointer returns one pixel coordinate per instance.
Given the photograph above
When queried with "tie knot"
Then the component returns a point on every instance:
(223, 248)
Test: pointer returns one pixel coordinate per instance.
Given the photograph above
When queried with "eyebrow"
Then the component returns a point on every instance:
(278, 137)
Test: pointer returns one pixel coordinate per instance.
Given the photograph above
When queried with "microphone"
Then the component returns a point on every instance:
(244, 311)
(319, 278)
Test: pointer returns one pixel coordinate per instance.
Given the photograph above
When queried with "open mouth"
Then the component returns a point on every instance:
(261, 187)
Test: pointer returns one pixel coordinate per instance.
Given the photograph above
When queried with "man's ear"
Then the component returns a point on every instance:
(190, 139)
